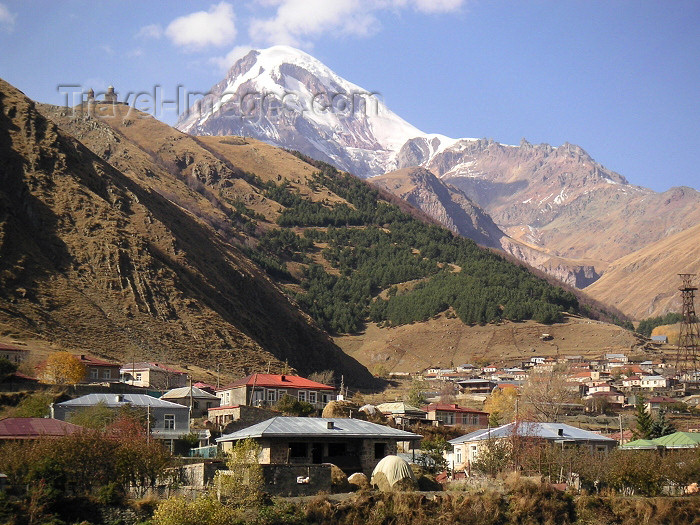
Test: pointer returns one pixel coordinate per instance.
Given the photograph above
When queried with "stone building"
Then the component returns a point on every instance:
(351, 444)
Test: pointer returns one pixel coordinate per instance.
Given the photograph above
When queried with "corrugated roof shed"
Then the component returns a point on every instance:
(116, 400)
(318, 427)
(179, 393)
(551, 431)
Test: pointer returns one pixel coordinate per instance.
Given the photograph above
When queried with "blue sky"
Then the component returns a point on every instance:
(620, 79)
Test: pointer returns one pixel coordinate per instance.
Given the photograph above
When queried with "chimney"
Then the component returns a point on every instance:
(282, 377)
(82, 357)
(330, 425)
(560, 431)
(118, 398)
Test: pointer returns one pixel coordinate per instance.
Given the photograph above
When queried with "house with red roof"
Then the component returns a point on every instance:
(267, 389)
(12, 353)
(15, 428)
(452, 414)
(99, 371)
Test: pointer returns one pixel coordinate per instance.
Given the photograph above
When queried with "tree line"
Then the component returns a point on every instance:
(373, 245)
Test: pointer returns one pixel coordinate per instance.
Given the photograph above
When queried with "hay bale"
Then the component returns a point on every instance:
(359, 481)
(393, 474)
(344, 409)
(339, 480)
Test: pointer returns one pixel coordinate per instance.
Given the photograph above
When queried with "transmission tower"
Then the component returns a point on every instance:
(689, 337)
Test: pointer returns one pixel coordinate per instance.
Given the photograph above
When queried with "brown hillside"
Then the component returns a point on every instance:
(441, 342)
(645, 283)
(95, 258)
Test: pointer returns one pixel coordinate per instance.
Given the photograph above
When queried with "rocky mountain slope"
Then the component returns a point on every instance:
(118, 263)
(645, 283)
(445, 203)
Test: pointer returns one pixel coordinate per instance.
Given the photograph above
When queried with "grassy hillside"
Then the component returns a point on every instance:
(645, 283)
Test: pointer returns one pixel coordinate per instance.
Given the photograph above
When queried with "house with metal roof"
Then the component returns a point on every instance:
(267, 389)
(353, 445)
(199, 401)
(677, 440)
(466, 449)
(23, 428)
(152, 375)
(168, 421)
(452, 414)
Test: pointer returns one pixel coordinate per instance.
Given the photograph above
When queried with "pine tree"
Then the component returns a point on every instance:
(644, 420)
(661, 426)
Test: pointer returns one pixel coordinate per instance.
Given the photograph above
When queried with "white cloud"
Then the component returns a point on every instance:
(150, 31)
(7, 19)
(437, 6)
(215, 27)
(224, 63)
(297, 20)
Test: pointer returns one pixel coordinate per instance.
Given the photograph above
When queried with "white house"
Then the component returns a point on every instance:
(652, 382)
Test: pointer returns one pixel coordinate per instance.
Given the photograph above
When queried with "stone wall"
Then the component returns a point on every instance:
(282, 480)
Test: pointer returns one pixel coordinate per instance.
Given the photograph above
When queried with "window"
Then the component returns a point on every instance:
(312, 397)
(106, 374)
(302, 395)
(297, 450)
(379, 450)
(94, 373)
(324, 398)
(458, 456)
(169, 422)
(138, 376)
(281, 394)
(271, 396)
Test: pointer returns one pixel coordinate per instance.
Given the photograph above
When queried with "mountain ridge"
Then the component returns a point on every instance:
(563, 212)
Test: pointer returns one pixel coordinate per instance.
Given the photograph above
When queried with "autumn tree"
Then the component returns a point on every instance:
(547, 392)
(63, 368)
(501, 406)
(416, 395)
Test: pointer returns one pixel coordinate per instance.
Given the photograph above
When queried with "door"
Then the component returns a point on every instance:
(317, 453)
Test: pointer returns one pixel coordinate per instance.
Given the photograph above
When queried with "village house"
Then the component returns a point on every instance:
(632, 381)
(98, 371)
(466, 449)
(267, 389)
(451, 414)
(228, 419)
(476, 385)
(489, 369)
(152, 375)
(194, 398)
(167, 421)
(402, 412)
(652, 382)
(13, 354)
(351, 444)
(654, 404)
(600, 401)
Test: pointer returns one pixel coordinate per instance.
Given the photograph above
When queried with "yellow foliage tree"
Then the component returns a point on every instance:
(501, 406)
(63, 368)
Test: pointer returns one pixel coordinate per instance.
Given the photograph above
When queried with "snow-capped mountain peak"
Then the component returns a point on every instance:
(287, 97)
